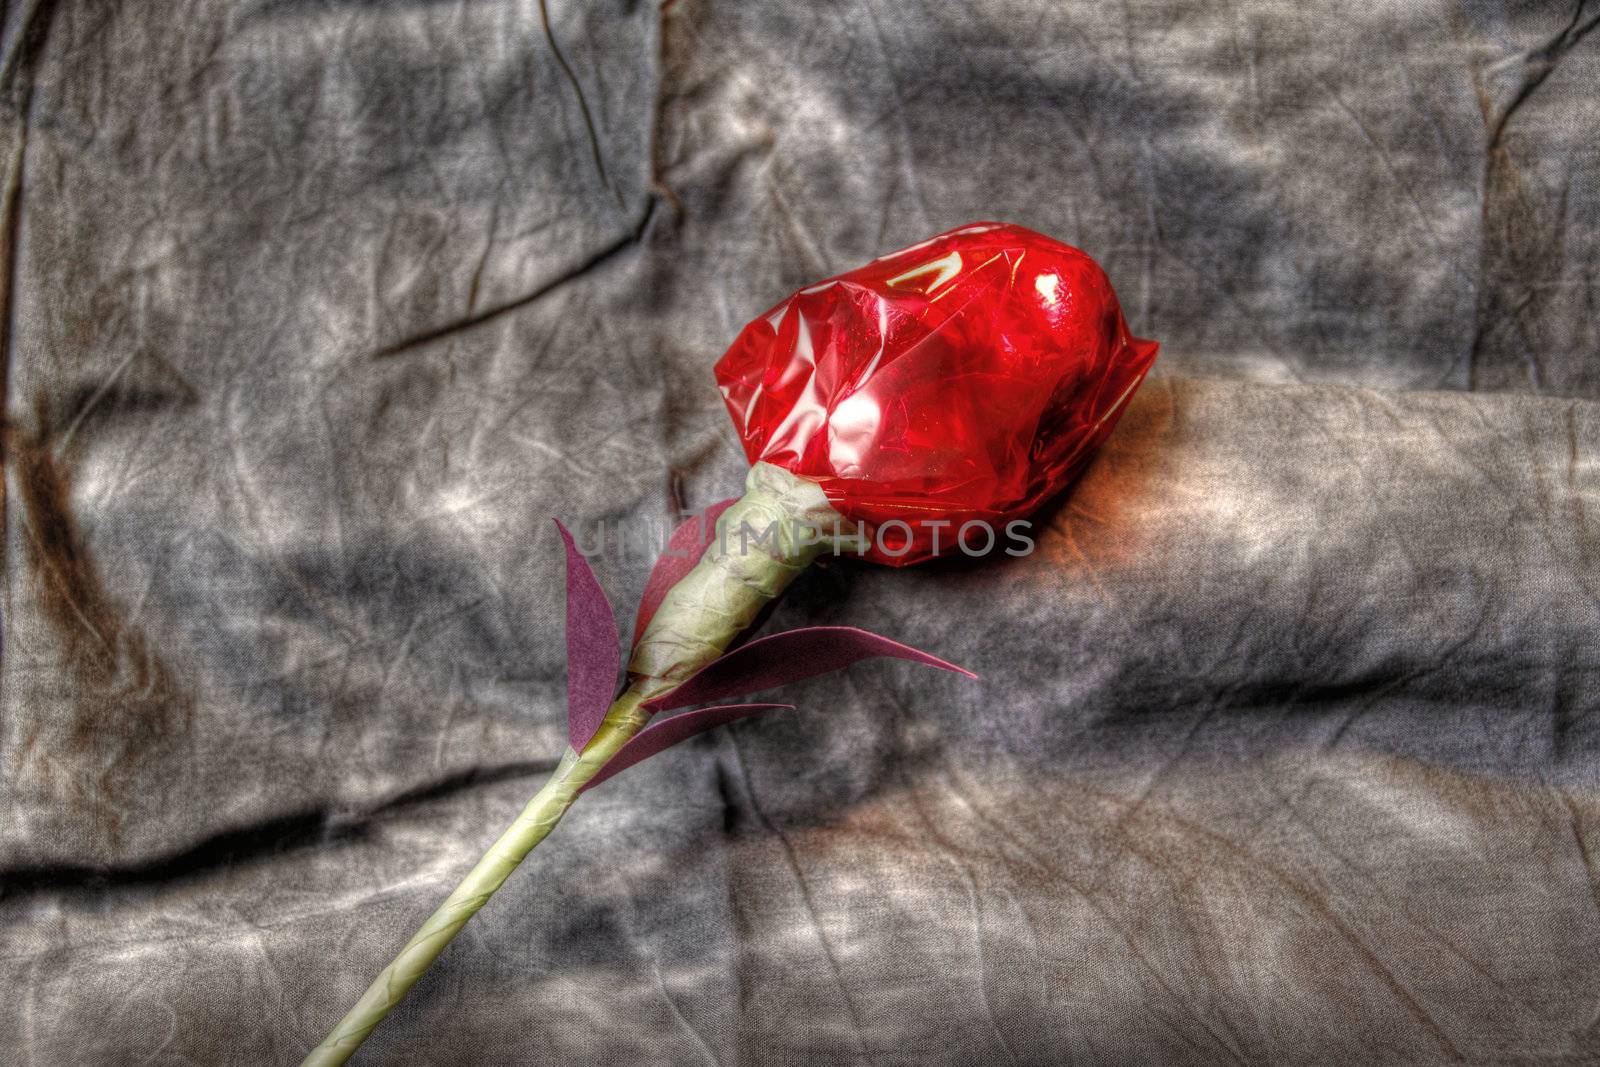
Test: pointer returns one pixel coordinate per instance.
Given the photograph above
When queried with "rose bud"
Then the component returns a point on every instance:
(967, 377)
(964, 379)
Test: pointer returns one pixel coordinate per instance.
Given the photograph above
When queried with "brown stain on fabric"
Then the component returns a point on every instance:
(1097, 524)
(125, 708)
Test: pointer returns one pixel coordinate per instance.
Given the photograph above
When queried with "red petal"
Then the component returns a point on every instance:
(948, 387)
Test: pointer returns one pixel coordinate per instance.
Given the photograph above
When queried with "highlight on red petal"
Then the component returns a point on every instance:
(790, 657)
(593, 654)
(683, 551)
(664, 733)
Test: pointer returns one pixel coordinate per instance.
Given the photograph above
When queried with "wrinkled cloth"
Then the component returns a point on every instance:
(1283, 747)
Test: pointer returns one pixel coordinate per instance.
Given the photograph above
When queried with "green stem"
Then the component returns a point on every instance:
(697, 619)
(624, 719)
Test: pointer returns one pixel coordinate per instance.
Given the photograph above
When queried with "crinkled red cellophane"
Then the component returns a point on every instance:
(965, 378)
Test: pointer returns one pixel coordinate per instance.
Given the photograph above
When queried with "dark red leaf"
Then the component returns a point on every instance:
(791, 656)
(664, 733)
(593, 654)
(683, 551)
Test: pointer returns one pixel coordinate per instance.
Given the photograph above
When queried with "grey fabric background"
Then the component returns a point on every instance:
(1285, 745)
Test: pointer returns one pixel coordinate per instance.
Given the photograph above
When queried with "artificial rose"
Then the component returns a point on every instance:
(965, 378)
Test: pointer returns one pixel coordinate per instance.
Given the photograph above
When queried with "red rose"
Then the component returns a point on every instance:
(965, 378)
